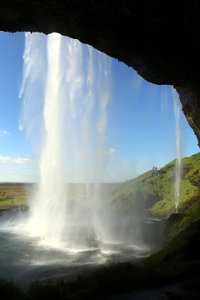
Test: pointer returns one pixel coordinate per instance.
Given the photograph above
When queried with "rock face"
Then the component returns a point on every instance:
(190, 98)
(160, 39)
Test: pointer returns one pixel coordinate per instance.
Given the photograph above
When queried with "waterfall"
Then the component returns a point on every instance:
(70, 95)
(177, 111)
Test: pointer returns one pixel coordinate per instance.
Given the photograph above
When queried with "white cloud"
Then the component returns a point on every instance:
(16, 160)
(112, 150)
(21, 160)
(4, 159)
(4, 133)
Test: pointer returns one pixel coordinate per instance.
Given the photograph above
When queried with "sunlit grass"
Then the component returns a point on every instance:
(13, 195)
(156, 188)
(13, 202)
(178, 261)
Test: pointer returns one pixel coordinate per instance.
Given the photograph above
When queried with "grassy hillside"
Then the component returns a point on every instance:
(176, 266)
(155, 189)
(13, 194)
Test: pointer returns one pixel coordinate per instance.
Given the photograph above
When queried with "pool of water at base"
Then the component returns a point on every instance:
(25, 259)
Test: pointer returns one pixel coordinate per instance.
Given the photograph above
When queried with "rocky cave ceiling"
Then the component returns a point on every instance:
(160, 39)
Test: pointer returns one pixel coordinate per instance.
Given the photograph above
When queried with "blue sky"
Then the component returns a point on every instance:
(140, 131)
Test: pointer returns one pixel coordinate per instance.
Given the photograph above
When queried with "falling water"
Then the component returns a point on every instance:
(177, 111)
(71, 149)
(66, 90)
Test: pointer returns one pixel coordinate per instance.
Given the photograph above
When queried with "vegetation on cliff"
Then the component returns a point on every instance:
(154, 191)
(176, 266)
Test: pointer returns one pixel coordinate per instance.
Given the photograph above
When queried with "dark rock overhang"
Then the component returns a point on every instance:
(160, 39)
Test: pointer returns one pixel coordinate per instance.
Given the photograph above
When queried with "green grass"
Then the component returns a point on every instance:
(13, 195)
(18, 201)
(190, 212)
(156, 190)
(177, 262)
